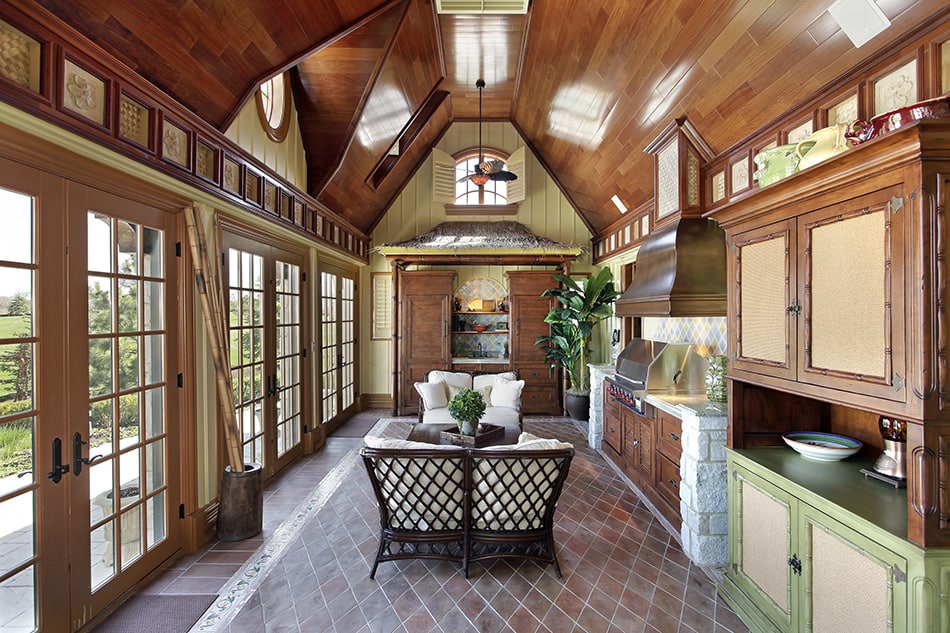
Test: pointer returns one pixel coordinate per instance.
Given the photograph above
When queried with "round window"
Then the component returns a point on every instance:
(273, 102)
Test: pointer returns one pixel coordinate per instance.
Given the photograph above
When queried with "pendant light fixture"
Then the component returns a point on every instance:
(487, 170)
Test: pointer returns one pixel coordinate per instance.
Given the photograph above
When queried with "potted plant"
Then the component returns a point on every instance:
(467, 408)
(580, 307)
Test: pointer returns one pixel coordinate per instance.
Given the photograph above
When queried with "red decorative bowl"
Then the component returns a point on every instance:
(862, 130)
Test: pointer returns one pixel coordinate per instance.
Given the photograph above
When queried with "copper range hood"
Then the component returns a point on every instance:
(680, 272)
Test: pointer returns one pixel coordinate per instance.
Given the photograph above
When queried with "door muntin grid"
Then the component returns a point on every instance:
(329, 347)
(19, 414)
(347, 342)
(127, 430)
(289, 380)
(246, 336)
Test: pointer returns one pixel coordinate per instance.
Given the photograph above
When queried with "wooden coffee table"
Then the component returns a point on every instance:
(431, 434)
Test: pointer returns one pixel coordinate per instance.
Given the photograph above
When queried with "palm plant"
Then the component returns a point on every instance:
(581, 306)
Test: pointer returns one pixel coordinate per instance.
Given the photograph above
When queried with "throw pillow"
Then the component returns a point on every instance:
(454, 381)
(489, 379)
(507, 393)
(433, 394)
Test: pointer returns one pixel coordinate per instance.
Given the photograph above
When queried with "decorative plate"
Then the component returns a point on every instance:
(822, 447)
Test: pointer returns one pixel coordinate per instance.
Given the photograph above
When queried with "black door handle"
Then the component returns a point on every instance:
(78, 459)
(59, 468)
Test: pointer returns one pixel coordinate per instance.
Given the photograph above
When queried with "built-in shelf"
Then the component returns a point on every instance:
(483, 332)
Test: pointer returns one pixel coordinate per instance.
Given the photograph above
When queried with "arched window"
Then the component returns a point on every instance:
(467, 192)
(273, 106)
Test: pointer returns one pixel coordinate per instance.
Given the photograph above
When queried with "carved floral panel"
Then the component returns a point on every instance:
(896, 89)
(84, 93)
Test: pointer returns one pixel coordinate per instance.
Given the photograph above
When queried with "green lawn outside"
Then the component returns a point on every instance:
(13, 326)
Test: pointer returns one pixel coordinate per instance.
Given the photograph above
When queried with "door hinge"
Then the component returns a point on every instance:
(898, 382)
(896, 204)
(181, 511)
(795, 564)
(899, 574)
(177, 249)
(181, 380)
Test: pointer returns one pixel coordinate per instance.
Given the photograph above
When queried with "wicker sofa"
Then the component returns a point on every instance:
(502, 392)
(467, 505)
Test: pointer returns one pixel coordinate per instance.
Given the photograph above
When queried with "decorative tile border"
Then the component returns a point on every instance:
(235, 594)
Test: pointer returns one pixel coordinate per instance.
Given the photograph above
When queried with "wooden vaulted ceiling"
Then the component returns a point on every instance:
(588, 84)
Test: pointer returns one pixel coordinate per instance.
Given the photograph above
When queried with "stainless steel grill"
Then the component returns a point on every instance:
(646, 366)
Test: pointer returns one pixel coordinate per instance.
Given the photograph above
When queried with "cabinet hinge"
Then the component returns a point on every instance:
(181, 511)
(177, 249)
(795, 564)
(304, 352)
(735, 568)
(899, 574)
(735, 475)
(181, 380)
(795, 308)
(896, 204)
(303, 276)
(898, 382)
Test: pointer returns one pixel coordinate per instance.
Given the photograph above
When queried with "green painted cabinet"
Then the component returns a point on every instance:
(799, 562)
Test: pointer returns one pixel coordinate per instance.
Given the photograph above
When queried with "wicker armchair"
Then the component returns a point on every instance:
(467, 505)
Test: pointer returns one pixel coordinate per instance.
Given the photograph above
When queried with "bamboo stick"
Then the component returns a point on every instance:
(210, 294)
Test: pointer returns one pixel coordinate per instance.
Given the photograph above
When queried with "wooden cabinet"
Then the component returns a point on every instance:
(424, 313)
(819, 298)
(542, 390)
(425, 335)
(799, 562)
(837, 309)
(636, 444)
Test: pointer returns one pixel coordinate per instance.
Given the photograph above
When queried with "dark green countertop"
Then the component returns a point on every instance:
(839, 483)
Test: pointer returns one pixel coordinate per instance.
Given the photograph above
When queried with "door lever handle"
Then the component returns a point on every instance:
(78, 459)
(59, 468)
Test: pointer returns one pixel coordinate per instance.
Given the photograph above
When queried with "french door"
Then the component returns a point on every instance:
(337, 343)
(266, 326)
(88, 401)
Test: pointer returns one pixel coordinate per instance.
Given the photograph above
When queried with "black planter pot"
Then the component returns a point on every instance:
(241, 512)
(578, 406)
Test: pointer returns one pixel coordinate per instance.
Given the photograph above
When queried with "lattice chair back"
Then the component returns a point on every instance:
(418, 491)
(517, 491)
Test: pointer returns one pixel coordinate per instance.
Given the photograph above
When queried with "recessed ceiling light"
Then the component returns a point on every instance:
(617, 203)
(860, 20)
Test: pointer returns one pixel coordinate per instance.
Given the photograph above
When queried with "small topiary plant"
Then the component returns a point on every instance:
(467, 406)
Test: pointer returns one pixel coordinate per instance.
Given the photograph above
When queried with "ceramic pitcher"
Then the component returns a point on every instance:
(826, 143)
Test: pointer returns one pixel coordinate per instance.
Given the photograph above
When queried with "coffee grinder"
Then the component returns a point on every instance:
(892, 461)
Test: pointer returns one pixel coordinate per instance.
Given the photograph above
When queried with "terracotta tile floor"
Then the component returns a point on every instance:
(623, 572)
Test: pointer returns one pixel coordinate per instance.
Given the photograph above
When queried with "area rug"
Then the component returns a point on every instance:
(166, 613)
(622, 570)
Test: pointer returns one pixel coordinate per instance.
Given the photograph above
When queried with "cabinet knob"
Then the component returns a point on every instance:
(673, 483)
(676, 438)
(635, 442)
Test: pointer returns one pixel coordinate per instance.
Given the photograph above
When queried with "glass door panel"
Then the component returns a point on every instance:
(337, 344)
(126, 288)
(19, 489)
(329, 348)
(266, 329)
(246, 328)
(288, 383)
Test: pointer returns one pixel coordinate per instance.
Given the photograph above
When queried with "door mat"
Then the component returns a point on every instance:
(166, 613)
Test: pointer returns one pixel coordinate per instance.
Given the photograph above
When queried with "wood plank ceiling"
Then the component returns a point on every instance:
(587, 84)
